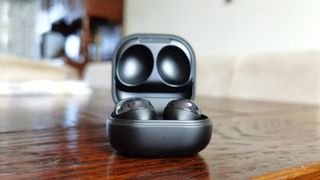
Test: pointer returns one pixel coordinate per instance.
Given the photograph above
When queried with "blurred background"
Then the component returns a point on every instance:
(246, 49)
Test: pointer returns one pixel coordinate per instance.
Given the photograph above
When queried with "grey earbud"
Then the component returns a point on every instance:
(135, 108)
(182, 109)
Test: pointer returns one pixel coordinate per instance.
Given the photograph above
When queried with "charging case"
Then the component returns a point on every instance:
(159, 68)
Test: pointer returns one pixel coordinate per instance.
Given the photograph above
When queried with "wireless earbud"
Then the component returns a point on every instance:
(142, 109)
(135, 108)
(182, 109)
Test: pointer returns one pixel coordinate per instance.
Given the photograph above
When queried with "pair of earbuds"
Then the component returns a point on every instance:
(142, 109)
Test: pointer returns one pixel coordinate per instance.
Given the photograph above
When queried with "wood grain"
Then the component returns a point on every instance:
(308, 171)
(59, 137)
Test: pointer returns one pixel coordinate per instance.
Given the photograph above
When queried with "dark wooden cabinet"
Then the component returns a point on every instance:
(111, 10)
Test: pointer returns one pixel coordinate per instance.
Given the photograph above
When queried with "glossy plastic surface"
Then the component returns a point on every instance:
(135, 65)
(159, 138)
(156, 67)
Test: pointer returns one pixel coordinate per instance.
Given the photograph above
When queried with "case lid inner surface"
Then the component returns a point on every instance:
(156, 67)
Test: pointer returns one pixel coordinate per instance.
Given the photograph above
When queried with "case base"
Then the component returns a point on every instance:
(159, 138)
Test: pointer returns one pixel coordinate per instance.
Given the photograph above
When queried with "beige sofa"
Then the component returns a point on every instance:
(21, 76)
(281, 77)
(13, 68)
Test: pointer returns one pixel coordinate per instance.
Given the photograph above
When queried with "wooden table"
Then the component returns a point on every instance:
(62, 137)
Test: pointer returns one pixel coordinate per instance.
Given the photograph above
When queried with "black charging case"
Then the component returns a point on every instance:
(159, 68)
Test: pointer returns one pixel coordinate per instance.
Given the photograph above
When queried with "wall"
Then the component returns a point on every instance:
(17, 27)
(241, 27)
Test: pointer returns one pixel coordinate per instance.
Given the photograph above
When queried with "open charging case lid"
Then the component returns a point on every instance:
(155, 67)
